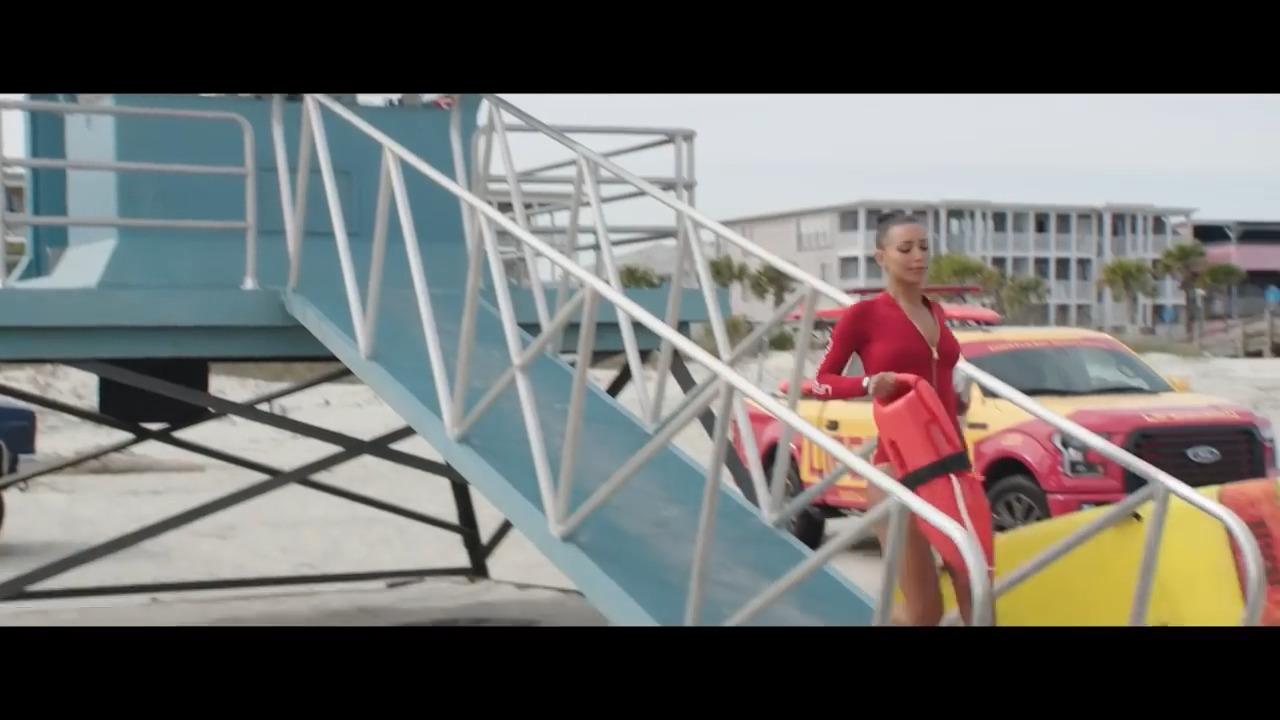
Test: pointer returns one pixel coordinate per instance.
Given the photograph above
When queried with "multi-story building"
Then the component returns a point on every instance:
(1254, 245)
(1066, 245)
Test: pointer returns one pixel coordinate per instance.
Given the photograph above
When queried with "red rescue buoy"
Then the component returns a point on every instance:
(925, 448)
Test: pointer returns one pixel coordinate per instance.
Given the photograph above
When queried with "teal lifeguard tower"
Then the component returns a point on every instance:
(165, 232)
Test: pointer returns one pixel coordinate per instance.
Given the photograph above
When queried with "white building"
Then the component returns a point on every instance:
(14, 182)
(1064, 244)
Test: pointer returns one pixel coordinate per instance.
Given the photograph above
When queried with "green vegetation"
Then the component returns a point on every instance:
(1013, 297)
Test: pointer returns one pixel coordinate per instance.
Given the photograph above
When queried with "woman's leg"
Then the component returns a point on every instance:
(917, 571)
(964, 595)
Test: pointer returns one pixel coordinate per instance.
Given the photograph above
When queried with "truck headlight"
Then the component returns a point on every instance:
(1077, 458)
(1268, 435)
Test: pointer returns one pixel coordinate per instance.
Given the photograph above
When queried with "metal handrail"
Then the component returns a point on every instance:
(479, 220)
(1254, 580)
(248, 170)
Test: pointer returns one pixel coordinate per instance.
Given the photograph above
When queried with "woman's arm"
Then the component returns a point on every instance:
(846, 339)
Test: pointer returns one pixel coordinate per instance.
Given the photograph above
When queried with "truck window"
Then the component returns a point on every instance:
(1058, 369)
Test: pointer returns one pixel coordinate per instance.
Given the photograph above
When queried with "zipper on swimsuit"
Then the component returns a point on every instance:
(933, 368)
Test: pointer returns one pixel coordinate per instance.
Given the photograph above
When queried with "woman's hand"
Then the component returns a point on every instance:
(882, 385)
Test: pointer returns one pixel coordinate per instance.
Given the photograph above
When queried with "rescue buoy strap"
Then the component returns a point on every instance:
(953, 463)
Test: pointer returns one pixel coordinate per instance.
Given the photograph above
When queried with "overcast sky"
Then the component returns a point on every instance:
(762, 153)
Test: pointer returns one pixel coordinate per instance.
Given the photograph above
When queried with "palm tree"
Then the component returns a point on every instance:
(1128, 279)
(638, 276)
(1219, 277)
(725, 271)
(1019, 294)
(960, 269)
(769, 281)
(1185, 263)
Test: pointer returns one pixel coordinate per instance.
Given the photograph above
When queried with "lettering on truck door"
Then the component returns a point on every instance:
(816, 463)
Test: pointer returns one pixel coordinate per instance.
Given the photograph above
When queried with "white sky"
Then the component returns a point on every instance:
(762, 153)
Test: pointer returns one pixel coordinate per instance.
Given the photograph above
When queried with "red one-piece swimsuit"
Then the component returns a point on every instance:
(884, 338)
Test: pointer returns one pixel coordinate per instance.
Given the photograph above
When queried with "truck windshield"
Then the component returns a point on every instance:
(1072, 370)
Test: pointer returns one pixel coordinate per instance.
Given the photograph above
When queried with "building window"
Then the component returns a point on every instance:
(1084, 269)
(1000, 222)
(1061, 269)
(849, 221)
(849, 268)
(1159, 225)
(1041, 268)
(813, 233)
(824, 272)
(1042, 222)
(1062, 223)
(874, 271)
(1119, 225)
(1021, 222)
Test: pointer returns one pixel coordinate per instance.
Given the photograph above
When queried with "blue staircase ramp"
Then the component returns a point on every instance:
(634, 556)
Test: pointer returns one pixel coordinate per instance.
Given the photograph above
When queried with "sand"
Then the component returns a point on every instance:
(296, 530)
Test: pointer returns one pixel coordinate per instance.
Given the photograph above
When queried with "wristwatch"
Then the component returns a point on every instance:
(866, 383)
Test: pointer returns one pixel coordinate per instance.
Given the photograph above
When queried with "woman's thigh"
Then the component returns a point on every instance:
(918, 569)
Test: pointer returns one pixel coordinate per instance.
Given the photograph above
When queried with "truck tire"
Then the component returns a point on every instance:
(1016, 500)
(809, 525)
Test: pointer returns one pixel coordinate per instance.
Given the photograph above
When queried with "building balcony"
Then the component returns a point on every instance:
(1072, 291)
(1042, 244)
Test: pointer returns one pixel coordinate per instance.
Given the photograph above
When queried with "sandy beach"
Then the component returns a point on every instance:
(296, 530)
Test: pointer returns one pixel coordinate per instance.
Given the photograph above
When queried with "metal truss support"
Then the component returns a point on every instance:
(478, 549)
(684, 379)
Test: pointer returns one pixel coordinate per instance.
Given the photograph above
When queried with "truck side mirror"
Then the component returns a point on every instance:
(806, 387)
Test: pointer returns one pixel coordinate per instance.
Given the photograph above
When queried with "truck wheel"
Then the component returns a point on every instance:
(1016, 500)
(809, 526)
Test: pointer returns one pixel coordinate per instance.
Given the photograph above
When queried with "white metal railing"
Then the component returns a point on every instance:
(249, 170)
(542, 196)
(725, 386)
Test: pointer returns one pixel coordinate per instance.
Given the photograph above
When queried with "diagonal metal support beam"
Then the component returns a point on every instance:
(469, 526)
(16, 585)
(623, 377)
(142, 434)
(221, 456)
(737, 470)
(496, 539)
(204, 399)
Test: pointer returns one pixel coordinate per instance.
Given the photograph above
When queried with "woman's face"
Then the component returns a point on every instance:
(904, 254)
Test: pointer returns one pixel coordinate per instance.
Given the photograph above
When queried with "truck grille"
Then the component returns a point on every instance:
(1240, 445)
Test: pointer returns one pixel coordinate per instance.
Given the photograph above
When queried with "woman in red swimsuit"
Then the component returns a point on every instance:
(898, 331)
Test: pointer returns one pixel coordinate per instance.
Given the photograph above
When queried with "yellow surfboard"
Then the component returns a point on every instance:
(1196, 580)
